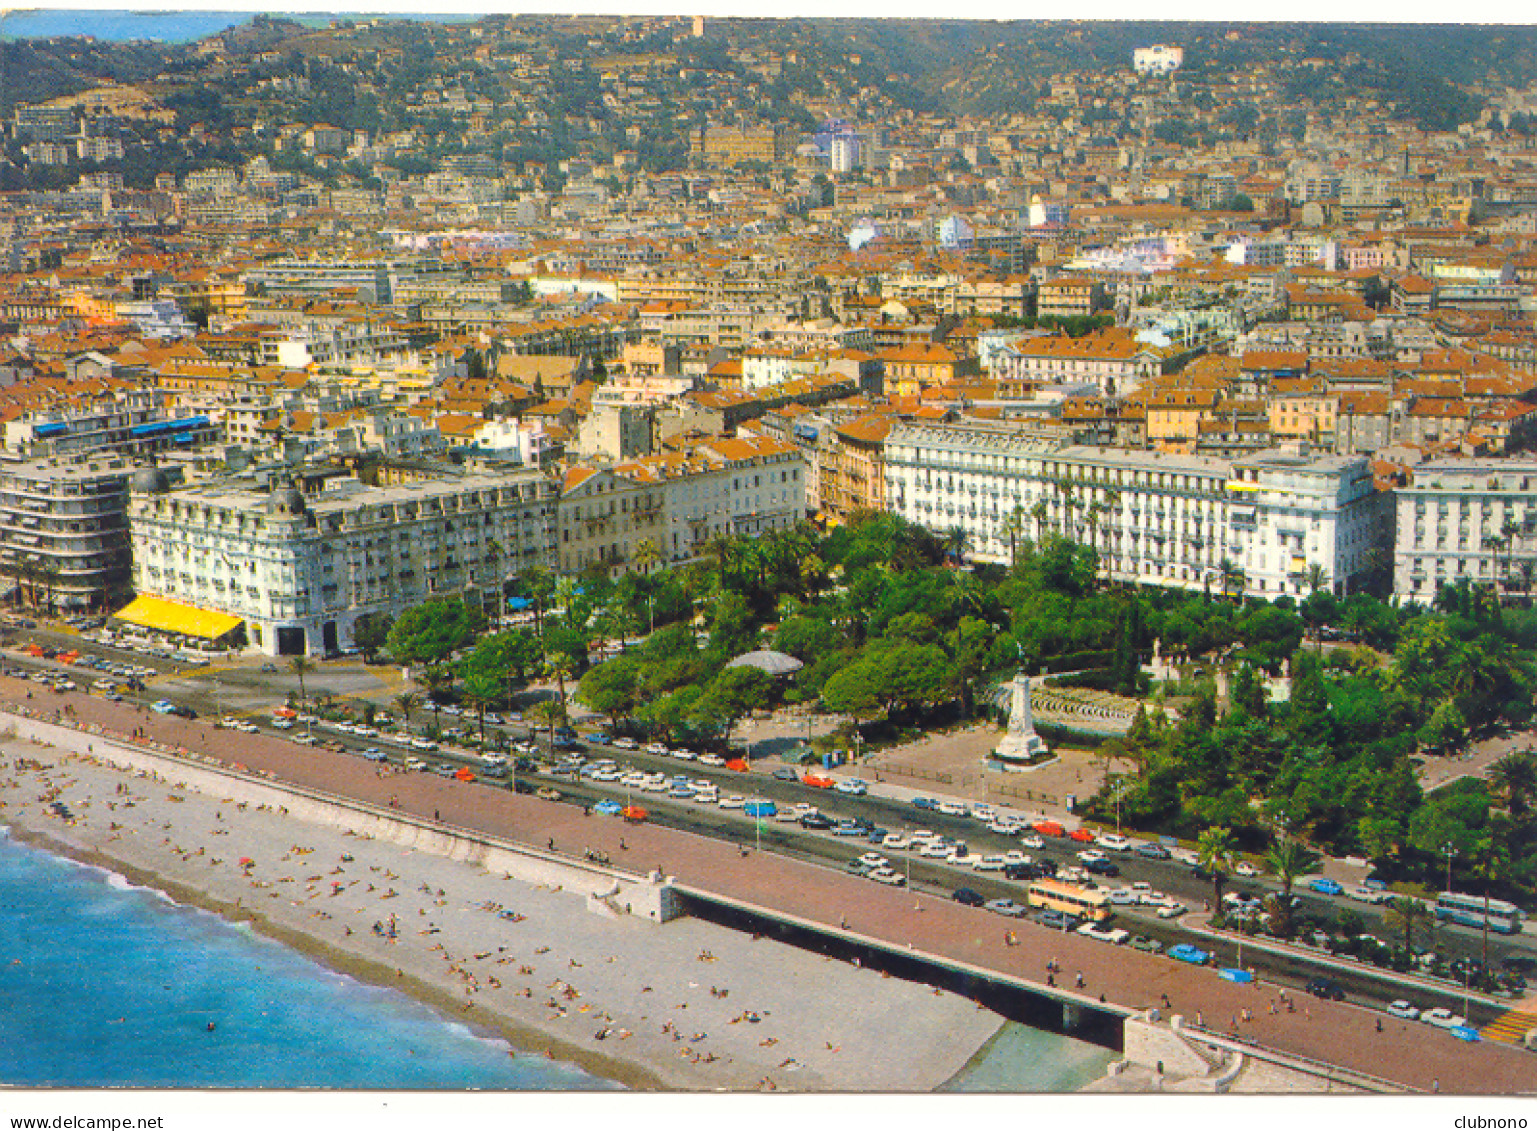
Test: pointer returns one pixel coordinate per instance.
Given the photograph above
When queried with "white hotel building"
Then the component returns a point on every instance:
(1155, 518)
(1444, 516)
(301, 567)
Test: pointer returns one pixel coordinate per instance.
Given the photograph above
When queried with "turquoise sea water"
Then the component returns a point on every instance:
(1022, 1059)
(104, 984)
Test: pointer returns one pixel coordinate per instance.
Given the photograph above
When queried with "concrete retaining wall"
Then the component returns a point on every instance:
(650, 897)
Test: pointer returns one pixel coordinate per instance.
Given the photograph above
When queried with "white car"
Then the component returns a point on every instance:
(1369, 895)
(887, 876)
(1122, 897)
(1104, 934)
(991, 863)
(852, 786)
(1113, 842)
(423, 744)
(711, 760)
(685, 755)
(1015, 856)
(959, 859)
(1032, 840)
(1245, 869)
(1443, 1018)
(1404, 1009)
(1171, 910)
(655, 748)
(1185, 856)
(623, 743)
(1092, 856)
(950, 808)
(896, 840)
(246, 727)
(283, 724)
(984, 813)
(874, 860)
(936, 850)
(1004, 827)
(654, 786)
(732, 801)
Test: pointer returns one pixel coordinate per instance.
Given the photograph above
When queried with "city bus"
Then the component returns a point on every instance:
(1070, 899)
(1469, 911)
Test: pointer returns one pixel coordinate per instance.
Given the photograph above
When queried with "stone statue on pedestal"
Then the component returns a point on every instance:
(1020, 742)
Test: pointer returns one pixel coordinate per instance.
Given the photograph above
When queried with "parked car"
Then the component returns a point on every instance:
(785, 773)
(815, 820)
(1048, 828)
(1326, 988)
(1404, 1009)
(1007, 907)
(608, 807)
(1442, 1018)
(853, 786)
(1114, 842)
(1152, 852)
(1146, 945)
(1103, 867)
(1186, 952)
(1325, 886)
(969, 897)
(1082, 836)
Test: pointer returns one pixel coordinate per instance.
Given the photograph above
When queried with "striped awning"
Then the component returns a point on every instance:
(173, 616)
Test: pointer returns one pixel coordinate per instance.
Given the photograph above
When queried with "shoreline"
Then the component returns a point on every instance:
(524, 1039)
(856, 1032)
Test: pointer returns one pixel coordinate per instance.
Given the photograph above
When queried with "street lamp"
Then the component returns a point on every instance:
(1449, 850)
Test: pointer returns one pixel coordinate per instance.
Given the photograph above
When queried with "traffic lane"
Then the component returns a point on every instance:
(1337, 1033)
(195, 737)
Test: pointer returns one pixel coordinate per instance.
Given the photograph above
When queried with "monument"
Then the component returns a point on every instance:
(1021, 746)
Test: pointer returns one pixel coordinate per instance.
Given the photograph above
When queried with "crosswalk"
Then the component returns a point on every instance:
(1512, 1026)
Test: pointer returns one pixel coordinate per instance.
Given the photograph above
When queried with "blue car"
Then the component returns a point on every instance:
(598, 738)
(760, 809)
(1184, 952)
(1325, 886)
(608, 808)
(923, 803)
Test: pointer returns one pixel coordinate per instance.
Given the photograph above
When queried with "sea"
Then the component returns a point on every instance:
(106, 984)
(168, 26)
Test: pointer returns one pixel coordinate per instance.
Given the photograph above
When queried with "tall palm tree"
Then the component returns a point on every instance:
(1527, 572)
(493, 554)
(1407, 915)
(1316, 578)
(407, 701)
(1289, 859)
(646, 556)
(1515, 778)
(1494, 543)
(481, 692)
(561, 665)
(1013, 528)
(1491, 862)
(437, 680)
(1232, 579)
(957, 542)
(1215, 850)
(301, 666)
(1038, 512)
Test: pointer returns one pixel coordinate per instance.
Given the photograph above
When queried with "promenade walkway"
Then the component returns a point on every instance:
(1406, 1053)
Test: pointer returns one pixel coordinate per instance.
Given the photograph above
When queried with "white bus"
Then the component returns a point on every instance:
(1469, 911)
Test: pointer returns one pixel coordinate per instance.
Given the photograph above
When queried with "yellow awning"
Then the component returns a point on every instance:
(173, 616)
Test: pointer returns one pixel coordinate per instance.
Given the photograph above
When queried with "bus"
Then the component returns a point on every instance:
(1469, 911)
(1070, 899)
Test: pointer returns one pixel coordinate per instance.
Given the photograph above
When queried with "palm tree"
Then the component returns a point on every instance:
(646, 555)
(1407, 916)
(1215, 852)
(1232, 579)
(481, 692)
(561, 665)
(1527, 572)
(1494, 543)
(1316, 578)
(957, 542)
(1013, 527)
(1491, 860)
(1515, 777)
(300, 666)
(407, 701)
(437, 679)
(493, 555)
(1288, 860)
(1038, 512)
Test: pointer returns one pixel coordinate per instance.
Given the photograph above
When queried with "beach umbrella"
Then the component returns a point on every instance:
(634, 813)
(247, 862)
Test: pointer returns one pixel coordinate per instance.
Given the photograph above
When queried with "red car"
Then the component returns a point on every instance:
(818, 782)
(1048, 828)
(1083, 836)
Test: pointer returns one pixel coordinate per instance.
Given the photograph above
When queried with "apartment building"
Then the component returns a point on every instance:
(1155, 518)
(301, 560)
(63, 533)
(1463, 520)
(677, 501)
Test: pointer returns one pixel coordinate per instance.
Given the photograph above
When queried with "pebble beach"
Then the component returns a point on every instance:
(680, 1006)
